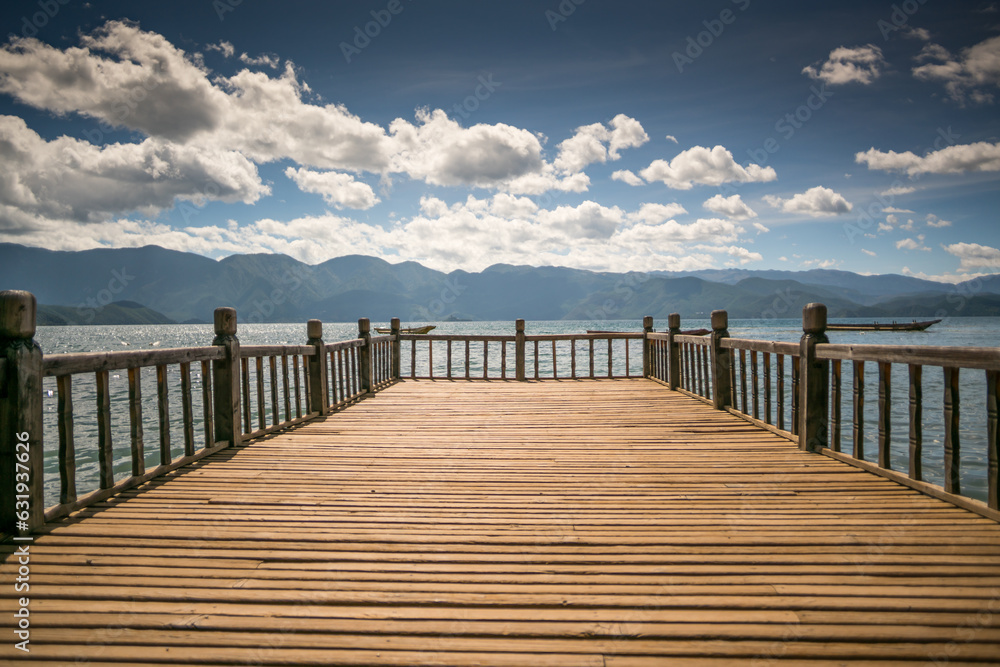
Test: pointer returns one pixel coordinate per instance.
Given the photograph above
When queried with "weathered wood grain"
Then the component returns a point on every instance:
(570, 523)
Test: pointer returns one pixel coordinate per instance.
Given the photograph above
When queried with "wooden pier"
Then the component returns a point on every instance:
(362, 517)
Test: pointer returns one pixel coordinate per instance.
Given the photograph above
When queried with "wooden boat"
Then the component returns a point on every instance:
(411, 330)
(876, 326)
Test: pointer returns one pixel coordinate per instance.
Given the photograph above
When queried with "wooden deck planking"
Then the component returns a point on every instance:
(571, 522)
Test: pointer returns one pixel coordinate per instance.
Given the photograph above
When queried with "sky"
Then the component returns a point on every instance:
(610, 136)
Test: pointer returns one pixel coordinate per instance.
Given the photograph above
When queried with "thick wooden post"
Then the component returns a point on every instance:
(814, 382)
(226, 379)
(365, 356)
(722, 361)
(673, 351)
(647, 346)
(316, 369)
(519, 350)
(22, 501)
(397, 354)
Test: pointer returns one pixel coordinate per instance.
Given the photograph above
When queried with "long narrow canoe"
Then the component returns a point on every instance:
(876, 326)
(411, 330)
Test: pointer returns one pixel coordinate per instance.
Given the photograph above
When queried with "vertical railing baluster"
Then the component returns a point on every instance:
(503, 360)
(536, 359)
(163, 411)
(286, 388)
(767, 388)
(449, 358)
(835, 411)
(273, 368)
(135, 421)
(952, 441)
(187, 409)
(486, 359)
(755, 384)
(413, 359)
(298, 386)
(610, 369)
(628, 367)
(992, 440)
(884, 415)
(859, 409)
(468, 360)
(261, 397)
(245, 376)
(780, 386)
(590, 374)
(916, 422)
(105, 453)
(555, 373)
(743, 381)
(67, 446)
(206, 403)
(795, 395)
(572, 358)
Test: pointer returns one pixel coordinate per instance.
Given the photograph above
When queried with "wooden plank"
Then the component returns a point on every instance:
(245, 387)
(67, 449)
(135, 421)
(515, 523)
(95, 362)
(859, 410)
(187, 409)
(916, 404)
(273, 373)
(992, 440)
(207, 404)
(163, 413)
(986, 358)
(952, 431)
(261, 398)
(885, 415)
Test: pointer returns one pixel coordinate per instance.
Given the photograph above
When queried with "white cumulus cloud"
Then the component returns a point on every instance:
(732, 206)
(972, 76)
(337, 189)
(861, 64)
(980, 156)
(704, 166)
(814, 202)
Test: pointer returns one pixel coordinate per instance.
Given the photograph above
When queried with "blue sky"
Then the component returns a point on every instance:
(609, 136)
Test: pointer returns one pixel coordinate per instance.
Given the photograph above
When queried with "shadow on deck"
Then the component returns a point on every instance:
(608, 523)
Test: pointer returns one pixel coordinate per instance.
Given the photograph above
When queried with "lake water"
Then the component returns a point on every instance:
(963, 332)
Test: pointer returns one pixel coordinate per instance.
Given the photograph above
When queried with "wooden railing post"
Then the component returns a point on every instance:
(673, 351)
(814, 381)
(519, 350)
(226, 379)
(365, 354)
(722, 360)
(647, 346)
(22, 500)
(316, 369)
(397, 349)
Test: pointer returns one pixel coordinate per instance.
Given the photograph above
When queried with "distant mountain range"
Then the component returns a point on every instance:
(152, 284)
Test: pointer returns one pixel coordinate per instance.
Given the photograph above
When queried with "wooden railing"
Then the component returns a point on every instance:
(246, 392)
(521, 356)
